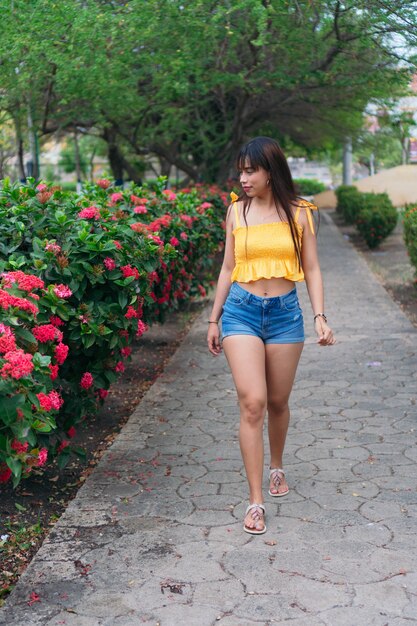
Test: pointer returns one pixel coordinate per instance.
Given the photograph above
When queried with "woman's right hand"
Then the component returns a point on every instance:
(213, 339)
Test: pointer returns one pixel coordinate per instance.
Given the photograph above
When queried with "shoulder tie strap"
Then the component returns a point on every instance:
(234, 198)
(308, 207)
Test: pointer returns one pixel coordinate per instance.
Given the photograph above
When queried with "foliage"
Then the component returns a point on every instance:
(309, 186)
(349, 202)
(122, 260)
(202, 77)
(377, 218)
(410, 233)
(31, 352)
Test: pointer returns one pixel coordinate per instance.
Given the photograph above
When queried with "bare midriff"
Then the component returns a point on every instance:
(268, 287)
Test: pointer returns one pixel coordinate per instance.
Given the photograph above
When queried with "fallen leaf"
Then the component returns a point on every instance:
(271, 542)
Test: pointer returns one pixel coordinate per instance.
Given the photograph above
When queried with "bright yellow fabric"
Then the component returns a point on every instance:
(267, 250)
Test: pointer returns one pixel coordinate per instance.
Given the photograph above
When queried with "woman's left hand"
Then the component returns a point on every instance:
(324, 333)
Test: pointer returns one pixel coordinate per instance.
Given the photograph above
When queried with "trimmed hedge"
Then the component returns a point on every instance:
(377, 218)
(309, 186)
(373, 214)
(410, 233)
(349, 202)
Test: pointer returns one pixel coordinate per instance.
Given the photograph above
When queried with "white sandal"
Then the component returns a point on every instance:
(277, 475)
(258, 513)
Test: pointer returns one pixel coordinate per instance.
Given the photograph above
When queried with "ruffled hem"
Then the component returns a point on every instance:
(265, 268)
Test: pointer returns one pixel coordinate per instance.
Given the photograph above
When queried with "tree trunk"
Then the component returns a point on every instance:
(19, 149)
(77, 161)
(33, 145)
(115, 157)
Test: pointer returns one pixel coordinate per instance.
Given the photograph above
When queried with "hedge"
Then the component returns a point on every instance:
(83, 277)
(410, 233)
(309, 186)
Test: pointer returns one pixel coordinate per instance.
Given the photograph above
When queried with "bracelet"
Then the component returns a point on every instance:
(212, 322)
(320, 315)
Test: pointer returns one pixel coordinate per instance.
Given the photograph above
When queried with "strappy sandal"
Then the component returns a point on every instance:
(277, 474)
(258, 514)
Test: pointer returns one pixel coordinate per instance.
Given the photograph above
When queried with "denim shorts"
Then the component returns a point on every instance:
(274, 320)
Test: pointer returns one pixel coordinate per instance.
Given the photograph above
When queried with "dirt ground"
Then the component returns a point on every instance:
(27, 513)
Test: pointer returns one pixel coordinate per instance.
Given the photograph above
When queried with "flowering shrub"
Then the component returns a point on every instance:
(349, 202)
(114, 263)
(28, 366)
(410, 233)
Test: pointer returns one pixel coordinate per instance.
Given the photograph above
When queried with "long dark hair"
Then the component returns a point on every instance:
(266, 153)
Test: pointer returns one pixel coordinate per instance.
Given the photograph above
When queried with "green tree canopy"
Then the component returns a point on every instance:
(190, 81)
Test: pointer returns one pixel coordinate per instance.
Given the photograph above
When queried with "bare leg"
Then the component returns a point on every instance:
(281, 366)
(246, 357)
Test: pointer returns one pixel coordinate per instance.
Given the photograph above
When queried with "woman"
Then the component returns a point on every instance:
(270, 245)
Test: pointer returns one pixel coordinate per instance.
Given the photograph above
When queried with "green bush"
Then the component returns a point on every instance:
(410, 233)
(121, 260)
(349, 202)
(309, 186)
(377, 218)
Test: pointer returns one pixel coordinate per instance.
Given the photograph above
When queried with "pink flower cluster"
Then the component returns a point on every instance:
(62, 291)
(7, 301)
(61, 353)
(47, 332)
(109, 263)
(50, 401)
(86, 380)
(25, 282)
(7, 339)
(116, 197)
(53, 247)
(104, 183)
(90, 213)
(18, 364)
(142, 328)
(19, 447)
(128, 270)
(140, 209)
(136, 200)
(160, 222)
(170, 195)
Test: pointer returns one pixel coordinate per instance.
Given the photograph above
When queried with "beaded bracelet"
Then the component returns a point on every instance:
(320, 315)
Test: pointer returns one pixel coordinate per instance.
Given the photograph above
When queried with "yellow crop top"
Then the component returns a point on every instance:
(267, 250)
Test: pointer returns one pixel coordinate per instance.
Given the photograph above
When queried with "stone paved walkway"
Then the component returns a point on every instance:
(155, 534)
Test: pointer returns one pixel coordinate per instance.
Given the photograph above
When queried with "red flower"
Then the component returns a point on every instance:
(174, 242)
(125, 352)
(7, 301)
(53, 247)
(202, 290)
(140, 209)
(50, 401)
(61, 353)
(42, 457)
(131, 313)
(56, 321)
(20, 448)
(46, 332)
(54, 371)
(64, 444)
(119, 367)
(103, 393)
(128, 270)
(5, 473)
(135, 200)
(7, 339)
(41, 187)
(18, 365)
(184, 236)
(71, 432)
(26, 282)
(86, 380)
(117, 244)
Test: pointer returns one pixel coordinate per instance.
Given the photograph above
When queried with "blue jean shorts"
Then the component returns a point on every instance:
(274, 320)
